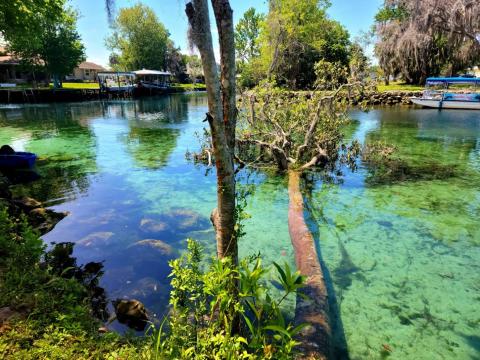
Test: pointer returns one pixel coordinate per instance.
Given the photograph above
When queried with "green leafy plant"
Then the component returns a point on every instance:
(204, 313)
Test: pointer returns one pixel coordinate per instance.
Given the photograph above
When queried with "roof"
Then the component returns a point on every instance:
(151, 72)
(107, 73)
(454, 80)
(91, 66)
(9, 60)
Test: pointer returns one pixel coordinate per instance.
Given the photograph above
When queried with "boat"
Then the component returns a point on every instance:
(17, 160)
(116, 81)
(153, 79)
(450, 93)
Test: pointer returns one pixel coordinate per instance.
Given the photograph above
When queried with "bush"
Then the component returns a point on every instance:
(213, 320)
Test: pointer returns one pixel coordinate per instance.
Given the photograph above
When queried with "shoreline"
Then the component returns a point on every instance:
(29, 96)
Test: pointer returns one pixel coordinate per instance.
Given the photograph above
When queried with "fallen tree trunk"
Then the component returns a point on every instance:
(315, 339)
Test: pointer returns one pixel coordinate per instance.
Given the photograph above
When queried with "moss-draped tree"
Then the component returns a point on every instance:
(428, 37)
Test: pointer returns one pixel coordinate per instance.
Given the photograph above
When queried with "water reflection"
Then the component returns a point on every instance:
(108, 164)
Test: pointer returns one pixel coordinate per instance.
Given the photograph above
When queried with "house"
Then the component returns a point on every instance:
(10, 69)
(86, 71)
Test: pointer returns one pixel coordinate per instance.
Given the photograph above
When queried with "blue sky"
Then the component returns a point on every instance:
(355, 15)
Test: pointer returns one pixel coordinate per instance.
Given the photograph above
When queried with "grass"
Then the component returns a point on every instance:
(188, 87)
(74, 85)
(398, 86)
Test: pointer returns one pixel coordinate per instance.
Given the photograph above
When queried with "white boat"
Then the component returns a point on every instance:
(153, 79)
(116, 81)
(447, 99)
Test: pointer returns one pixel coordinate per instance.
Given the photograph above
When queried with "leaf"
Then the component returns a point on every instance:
(281, 272)
(253, 308)
(278, 329)
(298, 328)
(242, 340)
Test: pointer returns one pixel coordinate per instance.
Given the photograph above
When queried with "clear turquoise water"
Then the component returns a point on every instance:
(404, 258)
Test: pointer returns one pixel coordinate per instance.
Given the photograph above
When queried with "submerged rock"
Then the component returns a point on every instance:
(150, 257)
(188, 220)
(41, 219)
(151, 226)
(96, 238)
(131, 312)
(158, 246)
(175, 221)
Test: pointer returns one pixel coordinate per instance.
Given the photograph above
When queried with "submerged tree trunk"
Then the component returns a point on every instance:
(315, 339)
(221, 112)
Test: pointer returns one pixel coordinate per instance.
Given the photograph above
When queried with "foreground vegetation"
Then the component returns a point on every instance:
(53, 307)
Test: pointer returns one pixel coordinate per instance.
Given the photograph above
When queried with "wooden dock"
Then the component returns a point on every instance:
(22, 96)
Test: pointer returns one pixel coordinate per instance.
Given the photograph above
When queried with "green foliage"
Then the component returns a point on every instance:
(247, 32)
(297, 130)
(25, 16)
(207, 311)
(54, 44)
(194, 67)
(140, 38)
(391, 12)
(329, 76)
(247, 48)
(358, 63)
(296, 35)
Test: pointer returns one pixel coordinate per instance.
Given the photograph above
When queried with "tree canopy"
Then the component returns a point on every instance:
(194, 67)
(428, 37)
(246, 35)
(296, 35)
(26, 15)
(140, 39)
(53, 43)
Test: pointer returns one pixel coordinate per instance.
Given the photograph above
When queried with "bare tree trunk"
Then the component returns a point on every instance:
(224, 18)
(315, 339)
(221, 112)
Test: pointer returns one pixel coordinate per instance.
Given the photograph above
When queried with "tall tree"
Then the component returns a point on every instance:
(246, 35)
(140, 39)
(295, 36)
(55, 45)
(422, 38)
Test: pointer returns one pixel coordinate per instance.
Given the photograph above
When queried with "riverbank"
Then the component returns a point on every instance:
(394, 97)
(48, 95)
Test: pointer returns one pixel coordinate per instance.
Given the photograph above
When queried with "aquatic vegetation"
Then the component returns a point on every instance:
(385, 167)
